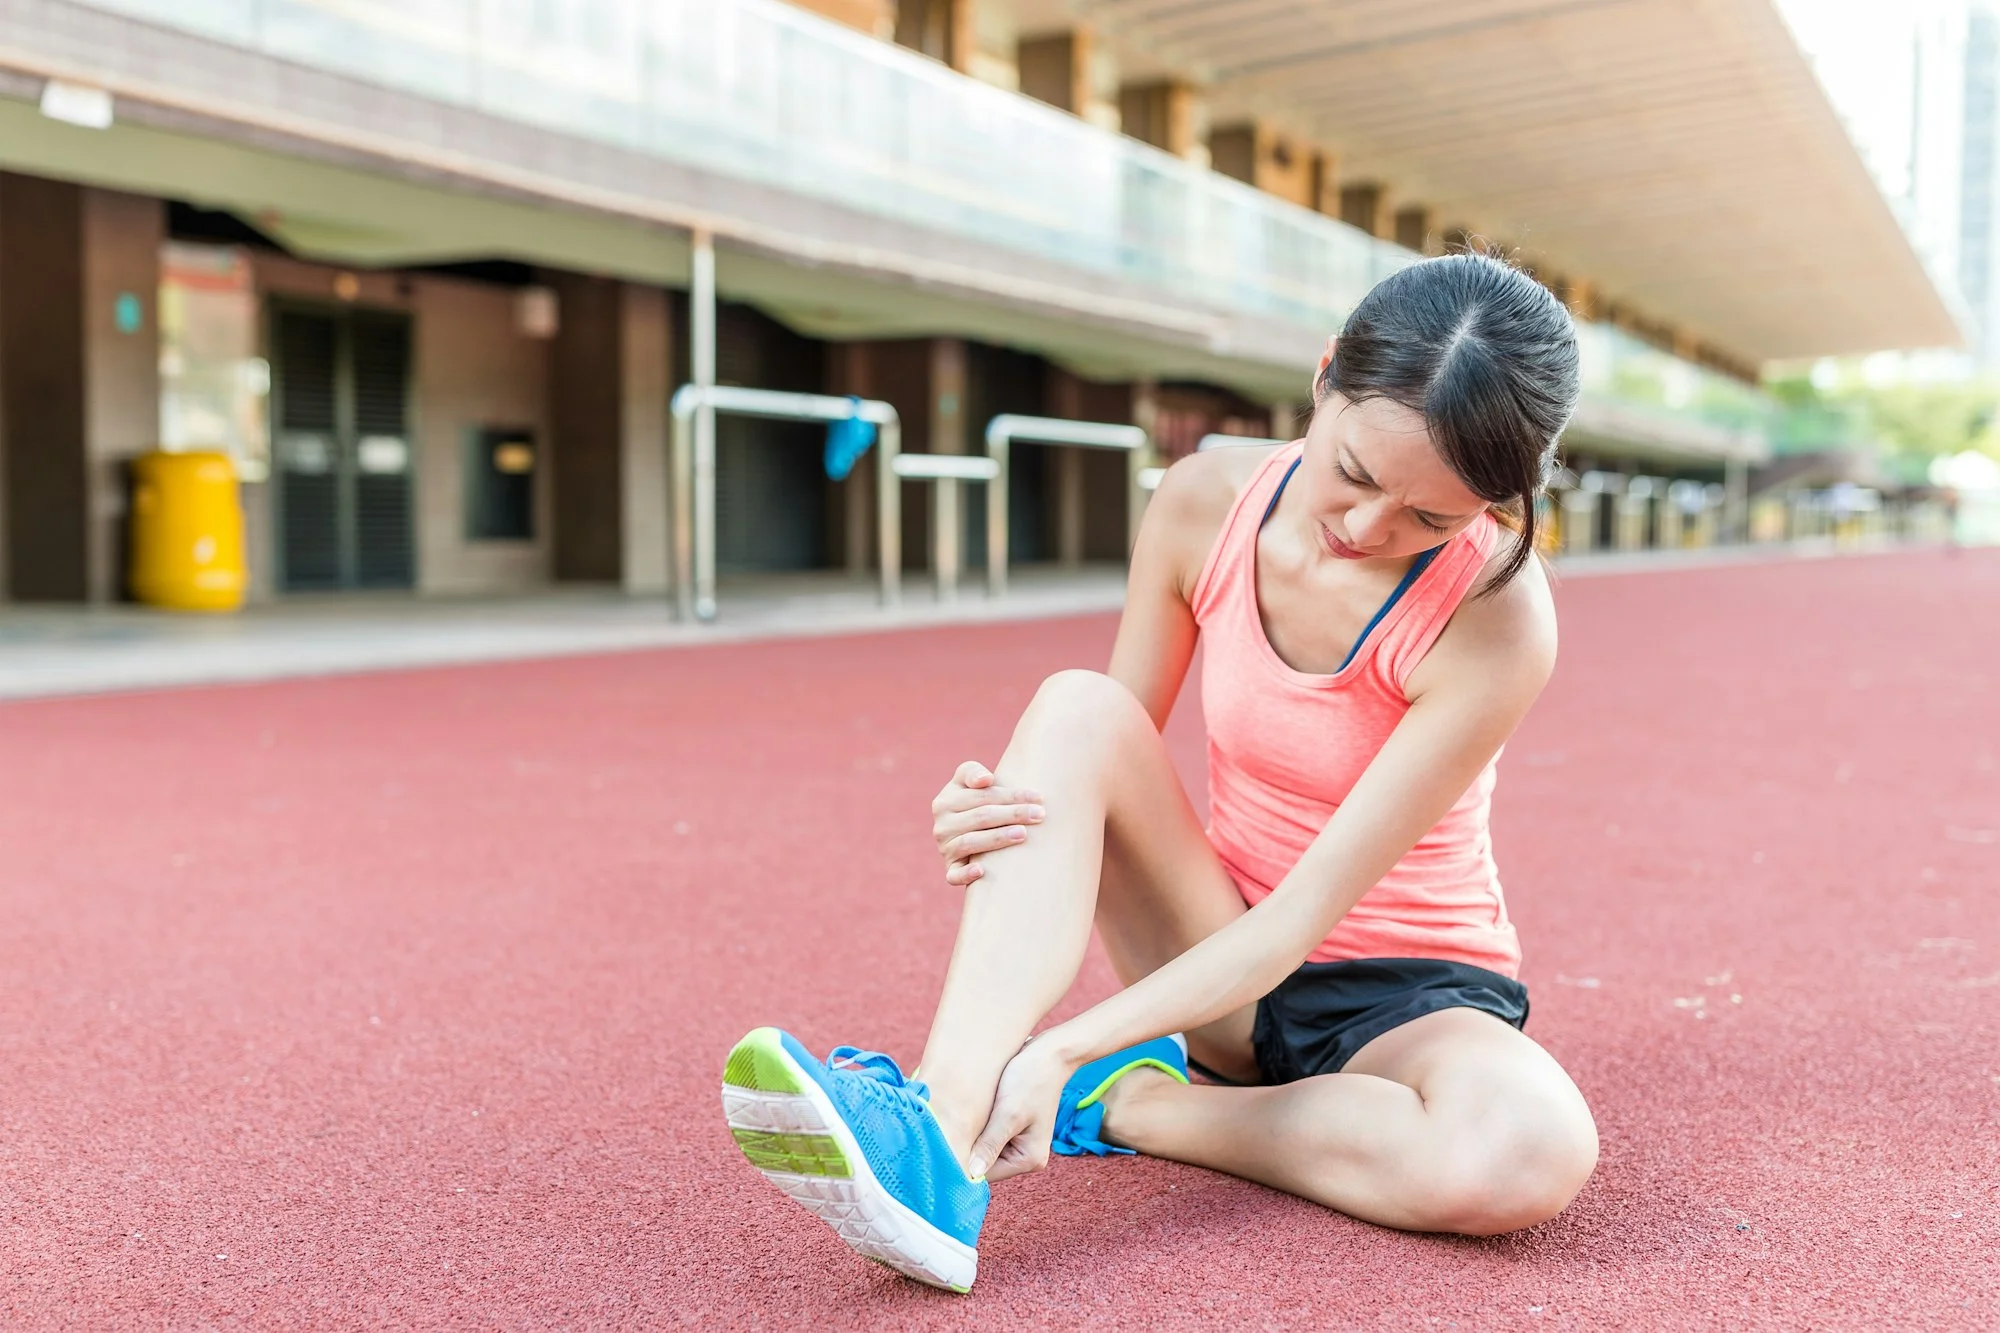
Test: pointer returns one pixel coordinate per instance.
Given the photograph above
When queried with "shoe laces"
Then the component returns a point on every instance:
(873, 1065)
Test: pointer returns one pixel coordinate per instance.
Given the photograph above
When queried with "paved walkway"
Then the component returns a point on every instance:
(61, 650)
(399, 1000)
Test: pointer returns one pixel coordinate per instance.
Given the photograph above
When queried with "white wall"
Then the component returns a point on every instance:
(473, 369)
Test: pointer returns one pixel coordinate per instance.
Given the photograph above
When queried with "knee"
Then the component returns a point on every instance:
(1515, 1178)
(1085, 702)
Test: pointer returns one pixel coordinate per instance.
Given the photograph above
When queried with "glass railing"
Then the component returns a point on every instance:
(758, 90)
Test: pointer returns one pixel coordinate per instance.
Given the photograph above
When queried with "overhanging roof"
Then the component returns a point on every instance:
(1679, 153)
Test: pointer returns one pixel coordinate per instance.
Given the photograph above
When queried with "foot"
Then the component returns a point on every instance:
(857, 1144)
(1080, 1112)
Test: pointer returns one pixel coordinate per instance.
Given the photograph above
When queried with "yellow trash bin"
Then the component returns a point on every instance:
(187, 532)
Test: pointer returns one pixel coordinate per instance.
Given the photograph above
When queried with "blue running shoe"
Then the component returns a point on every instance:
(1080, 1111)
(858, 1145)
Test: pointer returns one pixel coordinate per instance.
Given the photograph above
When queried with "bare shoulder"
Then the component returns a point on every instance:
(1205, 485)
(1502, 635)
(1193, 501)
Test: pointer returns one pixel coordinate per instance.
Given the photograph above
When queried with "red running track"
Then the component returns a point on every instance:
(401, 1000)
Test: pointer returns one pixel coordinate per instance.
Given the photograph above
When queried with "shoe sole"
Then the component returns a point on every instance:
(788, 1129)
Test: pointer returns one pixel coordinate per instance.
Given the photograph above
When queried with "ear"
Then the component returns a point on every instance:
(1325, 360)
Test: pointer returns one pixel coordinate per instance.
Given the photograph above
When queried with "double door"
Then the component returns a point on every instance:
(341, 382)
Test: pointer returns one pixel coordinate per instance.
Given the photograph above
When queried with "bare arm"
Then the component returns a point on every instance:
(1157, 633)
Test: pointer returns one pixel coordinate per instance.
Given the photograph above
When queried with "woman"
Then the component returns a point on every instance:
(1334, 944)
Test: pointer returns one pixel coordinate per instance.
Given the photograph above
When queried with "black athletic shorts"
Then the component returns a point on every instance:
(1322, 1014)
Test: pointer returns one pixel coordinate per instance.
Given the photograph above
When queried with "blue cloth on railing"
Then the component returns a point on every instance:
(846, 441)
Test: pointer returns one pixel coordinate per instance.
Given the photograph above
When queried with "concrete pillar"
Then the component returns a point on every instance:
(646, 382)
(1055, 68)
(1326, 184)
(1259, 154)
(586, 429)
(850, 371)
(79, 379)
(1069, 506)
(947, 436)
(941, 29)
(42, 393)
(1414, 230)
(1162, 113)
(1365, 204)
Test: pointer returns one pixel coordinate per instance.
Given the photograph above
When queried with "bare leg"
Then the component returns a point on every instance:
(1453, 1122)
(1106, 781)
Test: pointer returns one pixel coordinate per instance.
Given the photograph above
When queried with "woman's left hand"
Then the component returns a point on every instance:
(1016, 1138)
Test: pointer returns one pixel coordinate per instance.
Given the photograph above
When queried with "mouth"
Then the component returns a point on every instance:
(1338, 547)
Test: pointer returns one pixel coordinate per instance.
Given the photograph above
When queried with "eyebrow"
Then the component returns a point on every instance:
(1348, 460)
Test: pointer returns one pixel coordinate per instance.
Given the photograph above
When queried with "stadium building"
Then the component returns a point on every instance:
(433, 271)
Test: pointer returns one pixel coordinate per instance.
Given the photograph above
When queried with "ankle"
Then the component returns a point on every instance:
(1125, 1103)
(960, 1112)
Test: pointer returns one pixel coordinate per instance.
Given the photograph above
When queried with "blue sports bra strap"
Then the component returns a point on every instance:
(1417, 567)
(1280, 491)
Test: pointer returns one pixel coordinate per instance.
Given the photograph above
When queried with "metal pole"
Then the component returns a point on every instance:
(680, 453)
(889, 510)
(701, 326)
(996, 517)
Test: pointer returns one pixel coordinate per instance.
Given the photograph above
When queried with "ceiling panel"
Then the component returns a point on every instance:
(1679, 153)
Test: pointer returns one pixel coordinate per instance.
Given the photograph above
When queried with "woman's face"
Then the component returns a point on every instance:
(1374, 485)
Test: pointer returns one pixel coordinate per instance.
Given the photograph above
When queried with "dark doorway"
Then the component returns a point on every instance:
(341, 385)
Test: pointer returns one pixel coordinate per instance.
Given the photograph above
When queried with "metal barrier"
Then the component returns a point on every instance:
(1003, 430)
(946, 470)
(693, 458)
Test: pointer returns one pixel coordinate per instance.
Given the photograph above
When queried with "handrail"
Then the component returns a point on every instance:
(693, 461)
(1004, 429)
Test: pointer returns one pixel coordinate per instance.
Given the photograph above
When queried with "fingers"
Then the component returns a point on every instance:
(972, 786)
(963, 873)
(1013, 1163)
(1003, 1152)
(955, 800)
(985, 819)
(969, 845)
(993, 1141)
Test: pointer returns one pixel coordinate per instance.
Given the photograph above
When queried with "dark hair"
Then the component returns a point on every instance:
(1487, 356)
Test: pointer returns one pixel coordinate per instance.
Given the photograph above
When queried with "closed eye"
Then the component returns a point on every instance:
(1425, 520)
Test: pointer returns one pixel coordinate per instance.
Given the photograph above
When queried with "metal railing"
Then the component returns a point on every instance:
(693, 462)
(947, 470)
(1003, 430)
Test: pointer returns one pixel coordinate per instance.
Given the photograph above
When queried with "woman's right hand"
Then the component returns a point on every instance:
(972, 816)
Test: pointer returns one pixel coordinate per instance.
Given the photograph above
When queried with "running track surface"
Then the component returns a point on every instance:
(401, 1000)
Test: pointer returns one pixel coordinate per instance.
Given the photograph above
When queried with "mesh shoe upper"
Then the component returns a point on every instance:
(1080, 1111)
(891, 1118)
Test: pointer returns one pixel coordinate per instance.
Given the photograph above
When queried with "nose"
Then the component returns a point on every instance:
(1369, 524)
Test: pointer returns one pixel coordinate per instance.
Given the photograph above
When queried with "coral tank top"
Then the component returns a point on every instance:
(1285, 747)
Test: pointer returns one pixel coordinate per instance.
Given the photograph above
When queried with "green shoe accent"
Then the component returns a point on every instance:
(759, 1063)
(1104, 1087)
(798, 1154)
